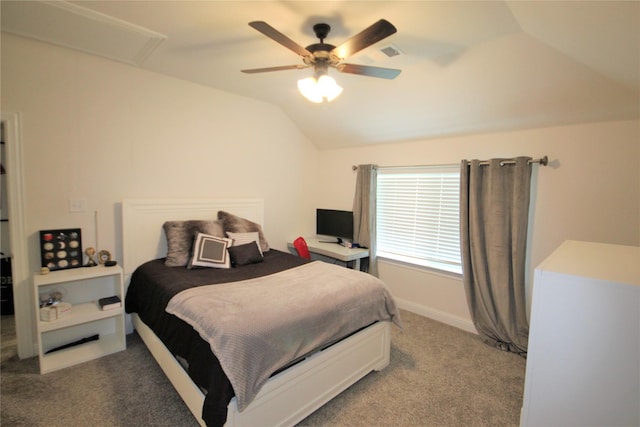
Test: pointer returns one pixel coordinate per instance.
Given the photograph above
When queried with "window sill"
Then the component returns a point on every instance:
(433, 268)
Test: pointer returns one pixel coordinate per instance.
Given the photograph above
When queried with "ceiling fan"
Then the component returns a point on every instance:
(321, 56)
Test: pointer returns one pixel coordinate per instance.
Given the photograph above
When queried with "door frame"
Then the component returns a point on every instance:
(22, 288)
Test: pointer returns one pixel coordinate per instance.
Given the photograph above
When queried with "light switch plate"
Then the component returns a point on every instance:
(77, 205)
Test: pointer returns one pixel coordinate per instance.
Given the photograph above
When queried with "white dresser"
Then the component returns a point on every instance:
(583, 362)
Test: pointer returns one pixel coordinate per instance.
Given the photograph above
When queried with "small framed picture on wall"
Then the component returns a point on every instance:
(61, 249)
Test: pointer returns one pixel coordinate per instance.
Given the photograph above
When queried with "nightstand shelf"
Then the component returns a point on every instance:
(82, 287)
(82, 313)
(82, 353)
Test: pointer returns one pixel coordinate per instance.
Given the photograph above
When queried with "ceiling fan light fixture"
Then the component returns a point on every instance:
(318, 89)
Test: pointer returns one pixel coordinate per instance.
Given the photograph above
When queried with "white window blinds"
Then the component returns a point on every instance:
(418, 216)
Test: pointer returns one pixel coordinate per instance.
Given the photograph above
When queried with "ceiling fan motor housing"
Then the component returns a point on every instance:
(321, 30)
(321, 52)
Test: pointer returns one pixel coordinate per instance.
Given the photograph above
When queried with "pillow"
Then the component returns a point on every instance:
(248, 253)
(210, 251)
(234, 224)
(180, 235)
(243, 238)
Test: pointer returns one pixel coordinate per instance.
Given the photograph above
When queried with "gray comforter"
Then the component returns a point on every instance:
(259, 325)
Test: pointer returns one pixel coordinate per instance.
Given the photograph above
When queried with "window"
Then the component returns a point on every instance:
(418, 216)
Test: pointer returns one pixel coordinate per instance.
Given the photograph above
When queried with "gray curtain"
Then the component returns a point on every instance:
(364, 214)
(494, 208)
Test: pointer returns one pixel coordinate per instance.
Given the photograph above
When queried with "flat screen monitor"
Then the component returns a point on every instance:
(334, 223)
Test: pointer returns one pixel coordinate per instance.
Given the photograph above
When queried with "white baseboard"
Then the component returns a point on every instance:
(440, 316)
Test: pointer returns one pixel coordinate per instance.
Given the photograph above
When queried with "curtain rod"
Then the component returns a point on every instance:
(543, 161)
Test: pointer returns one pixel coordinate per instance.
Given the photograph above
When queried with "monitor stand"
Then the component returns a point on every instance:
(339, 241)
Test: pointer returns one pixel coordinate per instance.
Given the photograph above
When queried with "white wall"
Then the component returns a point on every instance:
(590, 191)
(102, 131)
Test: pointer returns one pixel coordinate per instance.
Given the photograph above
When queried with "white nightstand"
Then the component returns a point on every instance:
(82, 287)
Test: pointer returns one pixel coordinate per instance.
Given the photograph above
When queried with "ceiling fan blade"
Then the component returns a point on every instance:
(284, 67)
(276, 35)
(373, 34)
(366, 70)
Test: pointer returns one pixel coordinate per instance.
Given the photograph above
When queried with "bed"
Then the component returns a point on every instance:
(290, 394)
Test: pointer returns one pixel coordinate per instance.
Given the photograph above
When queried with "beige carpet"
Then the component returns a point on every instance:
(8, 340)
(438, 376)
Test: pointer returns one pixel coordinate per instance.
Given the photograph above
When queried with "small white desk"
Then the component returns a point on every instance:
(335, 251)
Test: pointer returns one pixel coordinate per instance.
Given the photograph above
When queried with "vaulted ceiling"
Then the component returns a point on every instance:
(467, 67)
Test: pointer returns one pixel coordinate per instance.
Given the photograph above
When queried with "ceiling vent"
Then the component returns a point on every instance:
(390, 51)
(75, 27)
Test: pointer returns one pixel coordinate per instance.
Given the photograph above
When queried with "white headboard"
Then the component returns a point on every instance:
(142, 235)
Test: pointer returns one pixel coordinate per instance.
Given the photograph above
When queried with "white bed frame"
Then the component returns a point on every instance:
(287, 397)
